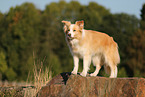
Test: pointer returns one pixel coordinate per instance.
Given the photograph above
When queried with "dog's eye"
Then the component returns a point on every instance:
(74, 30)
(68, 30)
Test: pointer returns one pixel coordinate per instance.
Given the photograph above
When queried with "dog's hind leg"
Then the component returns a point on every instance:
(111, 69)
(111, 64)
(98, 67)
(113, 73)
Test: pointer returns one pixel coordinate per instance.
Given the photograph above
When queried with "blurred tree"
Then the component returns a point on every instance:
(142, 17)
(11, 74)
(136, 54)
(3, 65)
(21, 37)
(93, 15)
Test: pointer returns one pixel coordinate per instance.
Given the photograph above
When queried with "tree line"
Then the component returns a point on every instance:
(29, 35)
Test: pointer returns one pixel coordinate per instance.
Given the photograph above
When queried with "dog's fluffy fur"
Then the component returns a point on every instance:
(91, 46)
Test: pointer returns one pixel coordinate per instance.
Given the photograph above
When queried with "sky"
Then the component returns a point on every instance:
(132, 7)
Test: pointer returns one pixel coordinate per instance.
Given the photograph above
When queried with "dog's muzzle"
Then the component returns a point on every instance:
(69, 36)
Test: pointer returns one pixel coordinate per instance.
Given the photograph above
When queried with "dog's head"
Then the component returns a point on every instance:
(73, 31)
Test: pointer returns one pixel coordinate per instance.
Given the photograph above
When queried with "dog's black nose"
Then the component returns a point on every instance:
(69, 34)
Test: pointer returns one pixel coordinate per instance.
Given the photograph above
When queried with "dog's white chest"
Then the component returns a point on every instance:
(76, 48)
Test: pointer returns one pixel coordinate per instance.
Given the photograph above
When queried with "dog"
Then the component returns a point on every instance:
(91, 46)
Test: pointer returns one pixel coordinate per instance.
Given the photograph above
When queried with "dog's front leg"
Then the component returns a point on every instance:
(86, 65)
(76, 65)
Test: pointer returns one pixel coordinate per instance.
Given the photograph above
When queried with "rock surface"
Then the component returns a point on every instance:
(67, 85)
(21, 91)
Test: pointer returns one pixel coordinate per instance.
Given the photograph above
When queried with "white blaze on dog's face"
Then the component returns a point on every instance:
(73, 31)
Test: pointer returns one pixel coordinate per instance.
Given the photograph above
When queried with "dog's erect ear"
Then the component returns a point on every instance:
(66, 25)
(80, 24)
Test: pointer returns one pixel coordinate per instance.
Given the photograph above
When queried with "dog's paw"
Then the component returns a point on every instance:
(83, 74)
(73, 72)
(92, 74)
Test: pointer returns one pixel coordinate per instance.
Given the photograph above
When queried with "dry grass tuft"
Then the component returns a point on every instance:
(41, 78)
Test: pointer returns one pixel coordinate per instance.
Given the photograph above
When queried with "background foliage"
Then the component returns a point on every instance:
(28, 34)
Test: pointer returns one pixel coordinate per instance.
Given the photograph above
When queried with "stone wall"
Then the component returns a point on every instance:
(67, 85)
